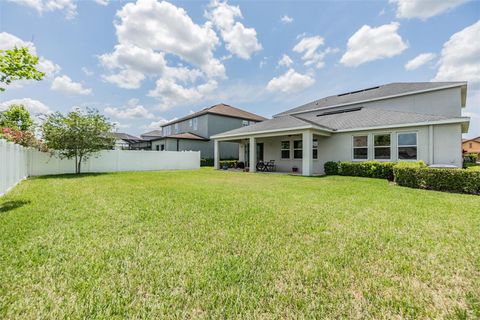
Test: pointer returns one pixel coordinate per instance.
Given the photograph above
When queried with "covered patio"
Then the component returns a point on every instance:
(292, 148)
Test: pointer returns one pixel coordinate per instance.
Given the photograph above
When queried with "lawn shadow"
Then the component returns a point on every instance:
(71, 175)
(13, 204)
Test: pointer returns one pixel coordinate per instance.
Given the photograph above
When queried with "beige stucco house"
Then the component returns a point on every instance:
(392, 122)
(471, 145)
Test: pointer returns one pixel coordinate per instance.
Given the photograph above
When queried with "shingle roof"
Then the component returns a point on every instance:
(379, 92)
(153, 133)
(221, 109)
(352, 119)
(187, 135)
(125, 136)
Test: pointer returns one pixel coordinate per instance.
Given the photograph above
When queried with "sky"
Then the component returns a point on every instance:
(147, 62)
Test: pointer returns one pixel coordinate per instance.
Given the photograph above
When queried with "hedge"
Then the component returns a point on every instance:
(331, 168)
(450, 180)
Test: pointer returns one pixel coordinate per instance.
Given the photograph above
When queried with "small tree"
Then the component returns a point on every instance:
(16, 117)
(18, 64)
(77, 135)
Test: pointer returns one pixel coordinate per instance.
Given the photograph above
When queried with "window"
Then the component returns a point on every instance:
(167, 130)
(195, 123)
(190, 122)
(407, 146)
(297, 149)
(244, 123)
(470, 145)
(176, 127)
(381, 146)
(157, 147)
(162, 147)
(360, 147)
(315, 149)
(285, 149)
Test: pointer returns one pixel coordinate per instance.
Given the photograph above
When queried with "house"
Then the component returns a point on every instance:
(193, 132)
(392, 122)
(471, 145)
(125, 141)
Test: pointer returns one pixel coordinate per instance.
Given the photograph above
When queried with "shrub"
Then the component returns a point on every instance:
(470, 158)
(227, 163)
(209, 162)
(370, 169)
(451, 180)
(331, 168)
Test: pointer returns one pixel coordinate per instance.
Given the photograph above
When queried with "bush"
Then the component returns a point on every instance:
(450, 180)
(369, 169)
(331, 168)
(207, 162)
(227, 163)
(470, 158)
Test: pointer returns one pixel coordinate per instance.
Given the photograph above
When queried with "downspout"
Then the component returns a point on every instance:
(430, 145)
(178, 142)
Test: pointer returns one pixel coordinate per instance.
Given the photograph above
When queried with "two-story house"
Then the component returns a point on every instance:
(193, 132)
(392, 122)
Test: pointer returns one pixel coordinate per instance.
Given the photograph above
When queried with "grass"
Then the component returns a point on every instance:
(473, 166)
(213, 244)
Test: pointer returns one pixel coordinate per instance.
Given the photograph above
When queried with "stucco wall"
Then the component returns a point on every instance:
(441, 102)
(338, 147)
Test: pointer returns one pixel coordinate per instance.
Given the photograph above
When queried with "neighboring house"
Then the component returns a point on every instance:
(392, 122)
(471, 145)
(124, 141)
(193, 132)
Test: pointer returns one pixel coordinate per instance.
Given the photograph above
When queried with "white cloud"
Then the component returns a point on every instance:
(33, 106)
(239, 40)
(156, 125)
(311, 55)
(131, 111)
(48, 67)
(285, 61)
(290, 82)
(459, 59)
(126, 79)
(171, 93)
(161, 26)
(87, 71)
(286, 19)
(368, 44)
(102, 2)
(65, 84)
(423, 9)
(420, 60)
(42, 6)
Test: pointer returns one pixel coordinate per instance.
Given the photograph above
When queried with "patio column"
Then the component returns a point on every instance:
(241, 151)
(307, 154)
(253, 154)
(216, 154)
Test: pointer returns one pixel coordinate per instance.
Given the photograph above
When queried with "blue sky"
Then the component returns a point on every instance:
(143, 63)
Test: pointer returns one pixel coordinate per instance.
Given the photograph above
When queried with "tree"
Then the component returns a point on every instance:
(18, 64)
(16, 117)
(79, 134)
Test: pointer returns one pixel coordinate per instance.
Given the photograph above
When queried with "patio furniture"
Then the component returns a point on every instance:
(261, 166)
(271, 166)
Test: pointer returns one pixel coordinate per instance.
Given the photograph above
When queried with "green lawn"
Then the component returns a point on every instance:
(214, 244)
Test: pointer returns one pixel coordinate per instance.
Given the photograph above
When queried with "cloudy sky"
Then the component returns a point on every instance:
(143, 63)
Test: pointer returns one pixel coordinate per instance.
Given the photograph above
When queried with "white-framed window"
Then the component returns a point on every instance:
(190, 123)
(167, 130)
(315, 149)
(176, 127)
(360, 147)
(297, 149)
(407, 145)
(285, 150)
(382, 146)
(245, 123)
(195, 123)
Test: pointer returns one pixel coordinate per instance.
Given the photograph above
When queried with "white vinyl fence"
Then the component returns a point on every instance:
(17, 162)
(13, 165)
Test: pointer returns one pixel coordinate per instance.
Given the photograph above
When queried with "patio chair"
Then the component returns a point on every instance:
(261, 166)
(271, 166)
